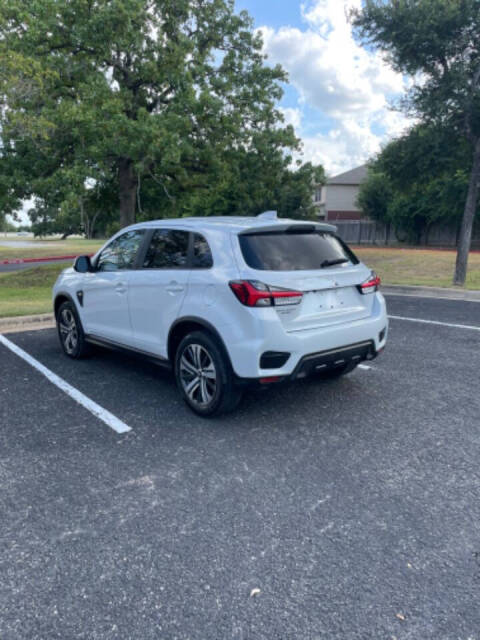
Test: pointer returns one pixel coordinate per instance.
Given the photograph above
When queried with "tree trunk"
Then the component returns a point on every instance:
(127, 190)
(91, 226)
(83, 222)
(465, 237)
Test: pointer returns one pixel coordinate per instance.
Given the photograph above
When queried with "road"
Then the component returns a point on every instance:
(352, 506)
(6, 268)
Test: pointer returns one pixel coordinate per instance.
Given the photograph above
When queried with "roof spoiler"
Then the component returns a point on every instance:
(289, 226)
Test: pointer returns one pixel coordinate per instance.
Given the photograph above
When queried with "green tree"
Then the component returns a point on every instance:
(437, 42)
(153, 97)
(418, 180)
(375, 195)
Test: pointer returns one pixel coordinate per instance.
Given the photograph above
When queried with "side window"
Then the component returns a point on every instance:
(168, 250)
(202, 256)
(120, 253)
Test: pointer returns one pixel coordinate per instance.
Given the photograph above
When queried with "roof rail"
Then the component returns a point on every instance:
(268, 215)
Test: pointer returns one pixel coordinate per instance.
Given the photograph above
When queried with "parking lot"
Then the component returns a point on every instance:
(352, 506)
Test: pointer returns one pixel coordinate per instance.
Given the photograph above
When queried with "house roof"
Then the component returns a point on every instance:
(354, 176)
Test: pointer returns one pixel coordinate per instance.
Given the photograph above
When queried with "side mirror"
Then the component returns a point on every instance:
(82, 264)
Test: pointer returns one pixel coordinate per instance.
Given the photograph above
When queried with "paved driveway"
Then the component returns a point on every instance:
(353, 506)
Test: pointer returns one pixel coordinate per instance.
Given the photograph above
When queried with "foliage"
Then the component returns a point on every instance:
(418, 180)
(5, 224)
(437, 43)
(375, 195)
(165, 106)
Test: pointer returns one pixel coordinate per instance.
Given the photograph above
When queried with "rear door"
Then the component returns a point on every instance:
(158, 288)
(314, 262)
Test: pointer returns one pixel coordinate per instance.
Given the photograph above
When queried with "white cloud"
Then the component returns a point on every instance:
(292, 116)
(344, 147)
(347, 83)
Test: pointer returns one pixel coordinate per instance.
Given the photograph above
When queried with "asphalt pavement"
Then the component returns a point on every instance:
(350, 508)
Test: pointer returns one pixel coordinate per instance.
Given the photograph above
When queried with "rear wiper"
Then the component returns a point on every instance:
(330, 263)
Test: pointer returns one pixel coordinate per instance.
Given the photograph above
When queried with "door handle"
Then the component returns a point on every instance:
(174, 287)
(121, 287)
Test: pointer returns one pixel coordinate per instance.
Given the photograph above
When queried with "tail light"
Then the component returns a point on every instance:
(371, 285)
(252, 293)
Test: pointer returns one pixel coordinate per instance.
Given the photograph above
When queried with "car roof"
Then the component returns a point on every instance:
(234, 224)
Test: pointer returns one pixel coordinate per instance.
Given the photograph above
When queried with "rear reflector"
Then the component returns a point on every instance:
(269, 380)
(371, 285)
(253, 293)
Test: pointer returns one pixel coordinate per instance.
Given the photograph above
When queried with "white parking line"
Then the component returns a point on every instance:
(99, 412)
(442, 324)
(364, 366)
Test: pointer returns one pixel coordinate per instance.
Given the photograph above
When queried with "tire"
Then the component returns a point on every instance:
(70, 332)
(213, 392)
(338, 372)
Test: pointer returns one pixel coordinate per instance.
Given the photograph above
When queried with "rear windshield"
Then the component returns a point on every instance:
(284, 251)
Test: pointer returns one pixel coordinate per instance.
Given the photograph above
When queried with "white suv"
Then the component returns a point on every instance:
(226, 302)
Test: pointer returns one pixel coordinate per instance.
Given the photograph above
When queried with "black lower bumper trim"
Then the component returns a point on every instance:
(273, 359)
(334, 358)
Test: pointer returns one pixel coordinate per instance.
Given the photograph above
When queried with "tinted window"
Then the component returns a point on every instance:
(283, 251)
(168, 250)
(202, 256)
(121, 252)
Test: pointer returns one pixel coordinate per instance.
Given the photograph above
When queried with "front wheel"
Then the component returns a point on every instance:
(204, 375)
(70, 332)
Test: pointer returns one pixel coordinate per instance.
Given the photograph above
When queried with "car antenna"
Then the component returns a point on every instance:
(268, 215)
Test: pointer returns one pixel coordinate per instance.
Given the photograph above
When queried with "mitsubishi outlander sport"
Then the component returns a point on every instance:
(225, 302)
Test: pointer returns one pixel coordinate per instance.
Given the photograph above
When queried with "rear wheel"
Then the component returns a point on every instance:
(70, 332)
(204, 375)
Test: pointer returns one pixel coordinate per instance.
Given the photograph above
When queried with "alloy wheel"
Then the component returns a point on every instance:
(68, 330)
(198, 375)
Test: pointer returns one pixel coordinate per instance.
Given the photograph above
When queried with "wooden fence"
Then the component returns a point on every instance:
(377, 233)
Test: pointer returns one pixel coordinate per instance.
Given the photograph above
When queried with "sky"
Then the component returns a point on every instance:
(339, 94)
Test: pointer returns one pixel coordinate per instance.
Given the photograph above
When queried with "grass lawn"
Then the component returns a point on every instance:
(418, 266)
(27, 292)
(44, 247)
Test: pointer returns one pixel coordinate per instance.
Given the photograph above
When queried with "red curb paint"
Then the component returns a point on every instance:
(25, 260)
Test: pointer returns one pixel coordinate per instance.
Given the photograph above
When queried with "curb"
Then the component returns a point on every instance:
(26, 323)
(442, 293)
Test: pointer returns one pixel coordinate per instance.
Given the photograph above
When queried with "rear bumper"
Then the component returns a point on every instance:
(253, 358)
(344, 357)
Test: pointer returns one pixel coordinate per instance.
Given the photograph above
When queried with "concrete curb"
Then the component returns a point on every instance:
(443, 293)
(27, 323)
